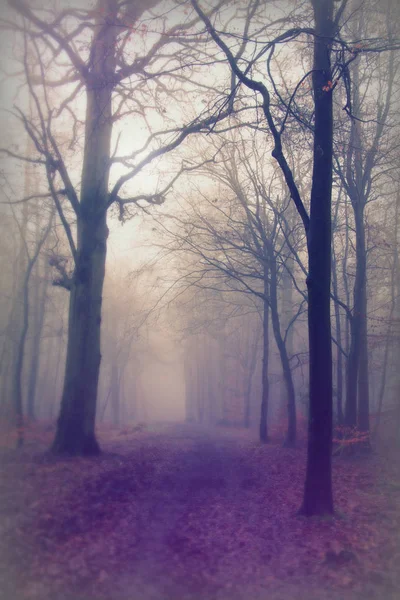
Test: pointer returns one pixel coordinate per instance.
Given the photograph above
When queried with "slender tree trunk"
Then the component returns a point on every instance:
(189, 387)
(383, 375)
(361, 310)
(339, 357)
(17, 383)
(353, 356)
(39, 312)
(222, 375)
(251, 352)
(115, 395)
(210, 386)
(318, 498)
(16, 317)
(360, 163)
(200, 379)
(394, 273)
(34, 354)
(345, 279)
(54, 386)
(265, 362)
(287, 372)
(397, 348)
(363, 377)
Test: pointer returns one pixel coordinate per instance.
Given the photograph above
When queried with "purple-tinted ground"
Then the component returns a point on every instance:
(180, 513)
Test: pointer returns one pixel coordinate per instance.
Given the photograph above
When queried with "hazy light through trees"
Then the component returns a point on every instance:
(200, 223)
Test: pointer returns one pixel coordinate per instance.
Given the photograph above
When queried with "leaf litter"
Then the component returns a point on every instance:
(181, 513)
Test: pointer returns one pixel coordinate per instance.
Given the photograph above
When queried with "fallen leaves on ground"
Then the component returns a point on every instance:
(181, 513)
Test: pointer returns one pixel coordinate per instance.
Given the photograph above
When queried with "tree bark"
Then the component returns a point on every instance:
(290, 439)
(338, 322)
(265, 362)
(76, 423)
(115, 395)
(339, 357)
(190, 407)
(318, 498)
(19, 363)
(388, 342)
(17, 383)
(250, 366)
(38, 321)
(360, 164)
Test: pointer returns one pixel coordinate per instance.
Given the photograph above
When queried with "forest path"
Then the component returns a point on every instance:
(207, 469)
(179, 512)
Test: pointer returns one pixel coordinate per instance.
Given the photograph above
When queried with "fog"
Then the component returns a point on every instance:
(199, 239)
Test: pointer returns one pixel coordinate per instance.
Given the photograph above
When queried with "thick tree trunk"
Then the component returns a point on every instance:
(318, 498)
(76, 423)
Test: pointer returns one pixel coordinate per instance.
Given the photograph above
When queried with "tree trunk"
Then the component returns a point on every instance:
(290, 439)
(76, 423)
(115, 393)
(350, 418)
(17, 383)
(363, 379)
(265, 361)
(393, 275)
(339, 357)
(39, 312)
(251, 353)
(222, 376)
(318, 498)
(17, 378)
(360, 308)
(189, 395)
(200, 372)
(53, 389)
(19, 363)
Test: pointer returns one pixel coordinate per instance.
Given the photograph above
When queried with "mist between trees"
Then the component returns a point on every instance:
(244, 156)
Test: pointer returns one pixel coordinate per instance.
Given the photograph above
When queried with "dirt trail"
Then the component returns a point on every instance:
(207, 467)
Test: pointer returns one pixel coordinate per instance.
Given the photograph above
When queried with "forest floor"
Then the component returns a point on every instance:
(178, 513)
